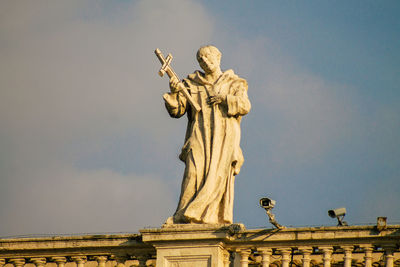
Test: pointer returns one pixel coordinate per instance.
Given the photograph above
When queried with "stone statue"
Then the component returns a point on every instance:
(214, 102)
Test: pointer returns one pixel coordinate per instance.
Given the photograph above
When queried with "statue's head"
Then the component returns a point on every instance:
(209, 58)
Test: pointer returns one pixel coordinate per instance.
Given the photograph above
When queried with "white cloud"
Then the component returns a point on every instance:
(66, 200)
(91, 76)
(74, 76)
(300, 116)
(79, 80)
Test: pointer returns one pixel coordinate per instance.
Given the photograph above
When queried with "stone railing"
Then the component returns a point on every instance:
(318, 246)
(208, 245)
(80, 251)
(312, 246)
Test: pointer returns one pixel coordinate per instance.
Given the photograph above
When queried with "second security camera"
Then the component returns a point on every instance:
(338, 213)
(267, 203)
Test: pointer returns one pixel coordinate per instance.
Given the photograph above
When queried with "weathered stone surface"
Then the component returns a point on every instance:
(211, 150)
(175, 246)
(331, 246)
(210, 245)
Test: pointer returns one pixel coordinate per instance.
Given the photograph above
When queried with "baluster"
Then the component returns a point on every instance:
(39, 262)
(151, 262)
(17, 262)
(265, 256)
(79, 260)
(101, 260)
(226, 258)
(368, 255)
(347, 255)
(244, 257)
(60, 261)
(142, 261)
(306, 251)
(327, 256)
(285, 256)
(121, 261)
(389, 250)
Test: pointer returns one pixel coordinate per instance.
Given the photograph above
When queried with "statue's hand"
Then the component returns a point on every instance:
(175, 85)
(217, 99)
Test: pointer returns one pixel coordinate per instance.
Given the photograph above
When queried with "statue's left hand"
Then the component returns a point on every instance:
(217, 99)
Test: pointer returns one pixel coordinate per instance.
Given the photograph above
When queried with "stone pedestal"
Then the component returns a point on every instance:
(190, 244)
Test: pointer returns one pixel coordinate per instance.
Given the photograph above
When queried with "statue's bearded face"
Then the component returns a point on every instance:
(208, 61)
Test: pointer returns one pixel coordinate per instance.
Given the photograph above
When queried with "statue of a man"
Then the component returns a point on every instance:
(211, 150)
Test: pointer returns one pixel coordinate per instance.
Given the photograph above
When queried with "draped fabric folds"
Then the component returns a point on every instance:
(211, 150)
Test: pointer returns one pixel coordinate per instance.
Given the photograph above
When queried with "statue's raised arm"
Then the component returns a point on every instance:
(166, 68)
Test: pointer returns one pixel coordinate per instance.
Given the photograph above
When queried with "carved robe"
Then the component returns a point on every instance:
(211, 150)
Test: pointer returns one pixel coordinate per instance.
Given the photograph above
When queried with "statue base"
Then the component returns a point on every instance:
(191, 244)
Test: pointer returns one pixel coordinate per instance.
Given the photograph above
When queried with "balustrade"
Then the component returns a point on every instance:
(80, 261)
(325, 246)
(82, 251)
(346, 256)
(306, 247)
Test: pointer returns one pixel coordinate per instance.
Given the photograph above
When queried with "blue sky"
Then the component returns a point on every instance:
(87, 145)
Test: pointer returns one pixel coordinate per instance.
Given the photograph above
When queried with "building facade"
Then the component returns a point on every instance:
(211, 245)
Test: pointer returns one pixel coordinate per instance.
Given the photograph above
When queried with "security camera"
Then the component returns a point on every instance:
(338, 213)
(267, 203)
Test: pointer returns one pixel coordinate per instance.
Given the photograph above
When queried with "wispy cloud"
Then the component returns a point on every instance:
(86, 144)
(74, 77)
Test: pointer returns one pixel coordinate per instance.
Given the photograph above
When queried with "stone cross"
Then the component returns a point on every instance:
(166, 68)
